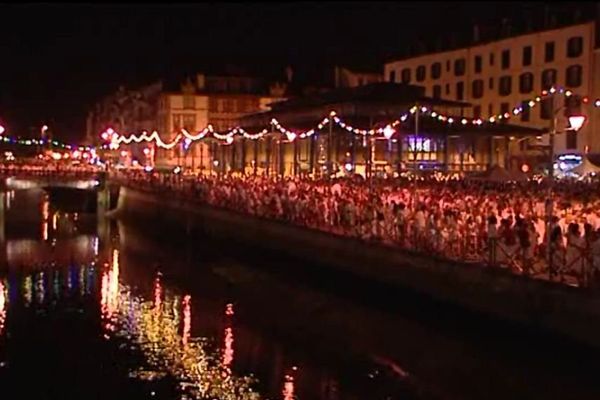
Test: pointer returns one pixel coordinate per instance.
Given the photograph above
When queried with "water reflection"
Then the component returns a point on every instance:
(152, 326)
(3, 300)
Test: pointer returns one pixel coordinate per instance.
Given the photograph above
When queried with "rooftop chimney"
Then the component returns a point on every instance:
(475, 34)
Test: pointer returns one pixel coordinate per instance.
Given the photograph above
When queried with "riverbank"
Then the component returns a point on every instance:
(571, 312)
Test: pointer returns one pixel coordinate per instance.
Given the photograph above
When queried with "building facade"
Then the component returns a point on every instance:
(216, 100)
(497, 76)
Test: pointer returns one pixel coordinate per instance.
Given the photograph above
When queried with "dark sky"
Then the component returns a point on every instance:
(56, 61)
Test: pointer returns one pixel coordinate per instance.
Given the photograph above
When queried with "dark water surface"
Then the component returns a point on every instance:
(96, 310)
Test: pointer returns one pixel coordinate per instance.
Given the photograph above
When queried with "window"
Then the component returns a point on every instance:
(477, 64)
(491, 59)
(476, 111)
(213, 105)
(392, 76)
(525, 114)
(227, 105)
(459, 67)
(546, 108)
(436, 70)
(574, 47)
(421, 73)
(189, 101)
(526, 82)
(491, 83)
(490, 109)
(189, 122)
(460, 89)
(437, 91)
(527, 56)
(447, 88)
(505, 59)
(477, 89)
(448, 66)
(574, 76)
(548, 78)
(571, 140)
(505, 85)
(406, 75)
(549, 54)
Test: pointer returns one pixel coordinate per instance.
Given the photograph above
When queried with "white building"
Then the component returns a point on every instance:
(495, 77)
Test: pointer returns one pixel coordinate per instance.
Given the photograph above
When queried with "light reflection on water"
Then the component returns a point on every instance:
(152, 325)
(157, 324)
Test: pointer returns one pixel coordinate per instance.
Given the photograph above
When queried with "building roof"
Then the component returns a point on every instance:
(381, 92)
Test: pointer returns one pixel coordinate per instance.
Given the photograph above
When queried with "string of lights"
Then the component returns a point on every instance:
(42, 142)
(387, 131)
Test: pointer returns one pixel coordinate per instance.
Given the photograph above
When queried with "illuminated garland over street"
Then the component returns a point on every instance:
(387, 131)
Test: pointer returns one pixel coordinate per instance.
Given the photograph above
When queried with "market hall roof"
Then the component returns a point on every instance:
(375, 93)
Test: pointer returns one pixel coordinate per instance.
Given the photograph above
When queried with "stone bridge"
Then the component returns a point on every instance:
(24, 181)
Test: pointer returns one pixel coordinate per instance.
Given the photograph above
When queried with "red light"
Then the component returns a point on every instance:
(585, 100)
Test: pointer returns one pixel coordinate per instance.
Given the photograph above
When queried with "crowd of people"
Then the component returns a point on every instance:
(503, 225)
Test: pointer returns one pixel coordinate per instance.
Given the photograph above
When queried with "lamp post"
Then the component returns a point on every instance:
(575, 122)
(415, 164)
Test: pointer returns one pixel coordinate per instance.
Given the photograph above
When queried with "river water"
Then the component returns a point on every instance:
(97, 309)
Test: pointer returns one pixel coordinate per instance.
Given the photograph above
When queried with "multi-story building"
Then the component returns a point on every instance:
(216, 100)
(497, 76)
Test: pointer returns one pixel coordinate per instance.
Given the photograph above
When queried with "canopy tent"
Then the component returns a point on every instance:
(498, 174)
(585, 168)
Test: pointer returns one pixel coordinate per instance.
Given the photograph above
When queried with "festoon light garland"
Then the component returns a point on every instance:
(387, 131)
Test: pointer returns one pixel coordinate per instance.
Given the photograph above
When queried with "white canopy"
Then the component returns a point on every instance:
(585, 168)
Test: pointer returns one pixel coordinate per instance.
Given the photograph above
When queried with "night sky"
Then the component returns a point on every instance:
(56, 61)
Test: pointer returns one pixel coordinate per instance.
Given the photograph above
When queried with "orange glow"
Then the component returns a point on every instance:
(187, 318)
(228, 354)
(157, 295)
(2, 307)
(110, 291)
(288, 388)
(228, 351)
